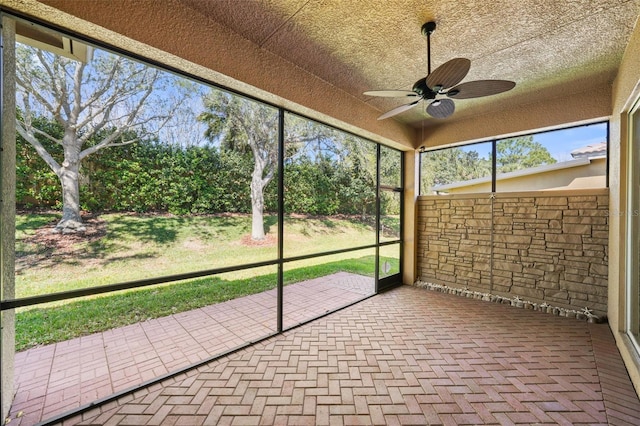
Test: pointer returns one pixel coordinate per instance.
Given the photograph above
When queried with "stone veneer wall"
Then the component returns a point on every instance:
(547, 246)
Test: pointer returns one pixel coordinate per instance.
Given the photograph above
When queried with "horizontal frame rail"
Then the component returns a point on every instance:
(90, 291)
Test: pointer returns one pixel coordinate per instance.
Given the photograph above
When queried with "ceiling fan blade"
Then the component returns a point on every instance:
(448, 74)
(398, 110)
(479, 88)
(441, 108)
(391, 93)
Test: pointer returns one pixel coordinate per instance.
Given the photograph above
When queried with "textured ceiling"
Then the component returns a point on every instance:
(550, 48)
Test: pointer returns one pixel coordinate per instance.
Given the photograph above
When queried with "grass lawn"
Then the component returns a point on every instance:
(130, 247)
(122, 247)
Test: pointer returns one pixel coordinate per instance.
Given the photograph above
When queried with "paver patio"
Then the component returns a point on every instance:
(60, 377)
(406, 356)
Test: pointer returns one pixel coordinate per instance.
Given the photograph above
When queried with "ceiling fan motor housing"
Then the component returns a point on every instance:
(421, 88)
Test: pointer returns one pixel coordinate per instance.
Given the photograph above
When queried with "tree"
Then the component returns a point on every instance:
(357, 191)
(85, 99)
(336, 174)
(452, 165)
(521, 153)
(240, 124)
(456, 165)
(36, 184)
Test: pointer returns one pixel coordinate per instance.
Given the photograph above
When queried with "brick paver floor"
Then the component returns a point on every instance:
(56, 378)
(407, 356)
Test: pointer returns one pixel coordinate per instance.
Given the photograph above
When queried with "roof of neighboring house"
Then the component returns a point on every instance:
(590, 150)
(518, 173)
(582, 156)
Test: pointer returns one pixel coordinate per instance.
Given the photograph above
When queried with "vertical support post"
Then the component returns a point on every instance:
(608, 149)
(410, 189)
(7, 208)
(402, 223)
(494, 173)
(280, 309)
(494, 162)
(377, 268)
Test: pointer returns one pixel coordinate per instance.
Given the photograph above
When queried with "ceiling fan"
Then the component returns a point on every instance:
(441, 84)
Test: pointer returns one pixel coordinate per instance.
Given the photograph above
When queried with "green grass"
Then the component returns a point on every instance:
(134, 247)
(142, 246)
(63, 322)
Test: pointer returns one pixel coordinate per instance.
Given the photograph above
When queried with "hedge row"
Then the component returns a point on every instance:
(148, 176)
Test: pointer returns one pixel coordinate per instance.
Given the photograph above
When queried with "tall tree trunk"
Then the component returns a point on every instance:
(71, 220)
(69, 174)
(257, 204)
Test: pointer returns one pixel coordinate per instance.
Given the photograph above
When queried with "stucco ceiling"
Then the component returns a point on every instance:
(550, 48)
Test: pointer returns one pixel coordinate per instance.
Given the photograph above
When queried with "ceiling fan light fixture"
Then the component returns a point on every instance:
(446, 76)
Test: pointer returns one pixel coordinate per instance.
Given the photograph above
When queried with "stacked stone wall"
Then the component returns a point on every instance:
(549, 246)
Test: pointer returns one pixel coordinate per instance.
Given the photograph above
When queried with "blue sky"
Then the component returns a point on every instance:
(559, 143)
